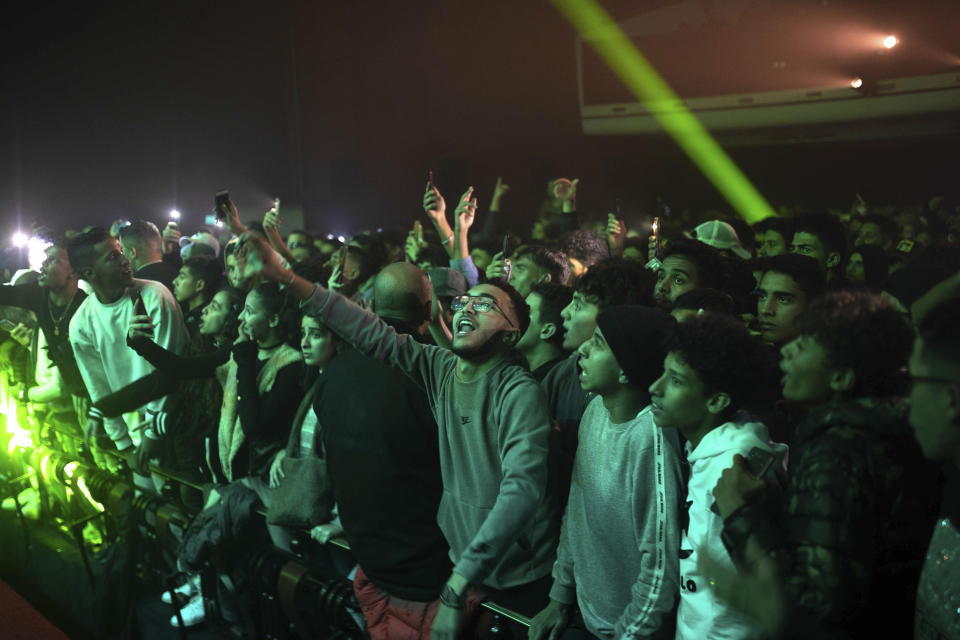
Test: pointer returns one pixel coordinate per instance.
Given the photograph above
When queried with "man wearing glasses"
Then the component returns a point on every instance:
(493, 425)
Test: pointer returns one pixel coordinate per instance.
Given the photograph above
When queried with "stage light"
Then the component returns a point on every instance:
(20, 239)
(174, 214)
(37, 252)
(341, 239)
(597, 27)
(856, 83)
(890, 41)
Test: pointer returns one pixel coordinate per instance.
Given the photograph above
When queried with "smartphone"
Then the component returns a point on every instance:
(905, 246)
(759, 461)
(7, 325)
(656, 227)
(221, 200)
(430, 175)
(506, 256)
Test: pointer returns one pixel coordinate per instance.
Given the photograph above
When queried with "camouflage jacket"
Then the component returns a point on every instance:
(849, 536)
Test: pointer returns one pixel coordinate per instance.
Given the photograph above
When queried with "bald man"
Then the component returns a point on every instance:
(385, 463)
(401, 297)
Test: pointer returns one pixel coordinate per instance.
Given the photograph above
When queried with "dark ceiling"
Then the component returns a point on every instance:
(341, 108)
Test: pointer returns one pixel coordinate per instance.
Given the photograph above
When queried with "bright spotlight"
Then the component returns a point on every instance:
(890, 41)
(174, 214)
(20, 239)
(341, 239)
(856, 83)
(37, 252)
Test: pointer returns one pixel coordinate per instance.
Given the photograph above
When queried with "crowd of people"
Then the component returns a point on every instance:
(693, 428)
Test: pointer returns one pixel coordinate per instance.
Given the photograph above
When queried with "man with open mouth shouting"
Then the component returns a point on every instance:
(492, 420)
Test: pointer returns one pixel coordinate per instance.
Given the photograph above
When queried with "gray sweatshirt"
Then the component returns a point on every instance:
(493, 450)
(621, 530)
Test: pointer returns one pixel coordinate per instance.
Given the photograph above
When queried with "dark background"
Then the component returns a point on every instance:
(128, 110)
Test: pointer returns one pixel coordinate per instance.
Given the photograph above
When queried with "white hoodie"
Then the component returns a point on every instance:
(701, 616)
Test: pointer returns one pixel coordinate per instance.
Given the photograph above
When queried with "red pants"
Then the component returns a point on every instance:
(392, 618)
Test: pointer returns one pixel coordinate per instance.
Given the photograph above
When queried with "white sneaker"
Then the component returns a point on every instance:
(192, 614)
(187, 590)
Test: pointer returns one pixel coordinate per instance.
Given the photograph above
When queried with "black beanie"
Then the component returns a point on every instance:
(636, 335)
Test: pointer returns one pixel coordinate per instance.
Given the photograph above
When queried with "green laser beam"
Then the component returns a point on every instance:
(597, 27)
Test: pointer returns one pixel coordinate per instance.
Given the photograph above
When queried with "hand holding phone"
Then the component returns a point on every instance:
(221, 204)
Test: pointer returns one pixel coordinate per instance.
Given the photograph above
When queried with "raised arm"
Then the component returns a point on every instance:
(463, 219)
(271, 227)
(361, 328)
(492, 222)
(436, 208)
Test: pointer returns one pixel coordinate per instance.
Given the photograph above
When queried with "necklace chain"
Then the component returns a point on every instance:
(55, 319)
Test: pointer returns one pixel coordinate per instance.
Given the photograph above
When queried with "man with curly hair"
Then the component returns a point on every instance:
(712, 371)
(686, 265)
(847, 540)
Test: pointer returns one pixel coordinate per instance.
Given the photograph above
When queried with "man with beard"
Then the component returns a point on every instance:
(99, 328)
(492, 424)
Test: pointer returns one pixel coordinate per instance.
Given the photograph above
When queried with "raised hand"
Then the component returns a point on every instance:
(499, 267)
(466, 211)
(171, 237)
(258, 257)
(435, 205)
(232, 218)
(499, 190)
(565, 191)
(616, 234)
(336, 276)
(271, 219)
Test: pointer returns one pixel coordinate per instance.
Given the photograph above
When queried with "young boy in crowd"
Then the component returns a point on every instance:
(787, 284)
(712, 369)
(196, 283)
(614, 281)
(822, 237)
(773, 236)
(847, 540)
(619, 541)
(542, 343)
(686, 265)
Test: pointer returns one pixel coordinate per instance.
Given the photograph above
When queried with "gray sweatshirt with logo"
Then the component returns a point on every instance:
(493, 431)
